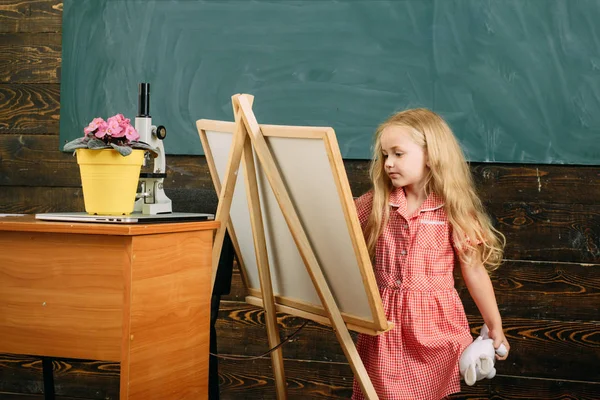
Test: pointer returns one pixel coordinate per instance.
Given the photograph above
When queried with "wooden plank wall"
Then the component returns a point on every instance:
(548, 289)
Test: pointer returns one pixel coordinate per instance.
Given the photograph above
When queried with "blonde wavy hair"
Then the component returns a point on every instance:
(449, 177)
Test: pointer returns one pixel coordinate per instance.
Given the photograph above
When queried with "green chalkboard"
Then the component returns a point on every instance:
(518, 80)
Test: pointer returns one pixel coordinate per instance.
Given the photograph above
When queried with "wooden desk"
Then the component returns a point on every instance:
(136, 294)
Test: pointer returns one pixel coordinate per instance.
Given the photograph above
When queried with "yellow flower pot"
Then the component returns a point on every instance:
(109, 180)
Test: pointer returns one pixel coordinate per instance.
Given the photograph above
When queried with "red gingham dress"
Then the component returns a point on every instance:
(418, 359)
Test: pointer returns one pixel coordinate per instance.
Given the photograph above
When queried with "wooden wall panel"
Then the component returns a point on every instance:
(20, 374)
(509, 183)
(505, 183)
(86, 379)
(30, 58)
(29, 108)
(306, 380)
(549, 231)
(524, 289)
(31, 16)
(542, 290)
(240, 326)
(13, 396)
(36, 160)
(252, 379)
(21, 379)
(38, 199)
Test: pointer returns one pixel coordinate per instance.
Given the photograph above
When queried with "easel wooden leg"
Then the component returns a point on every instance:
(262, 261)
(358, 368)
(226, 194)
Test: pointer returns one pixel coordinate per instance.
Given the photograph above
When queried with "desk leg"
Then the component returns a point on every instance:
(48, 374)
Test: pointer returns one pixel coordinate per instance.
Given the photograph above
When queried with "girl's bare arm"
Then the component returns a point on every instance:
(480, 287)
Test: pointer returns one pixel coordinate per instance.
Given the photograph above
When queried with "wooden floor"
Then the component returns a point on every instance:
(548, 289)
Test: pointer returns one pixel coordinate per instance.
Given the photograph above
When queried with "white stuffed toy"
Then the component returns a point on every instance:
(477, 361)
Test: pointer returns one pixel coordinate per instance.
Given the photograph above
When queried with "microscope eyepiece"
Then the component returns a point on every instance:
(143, 100)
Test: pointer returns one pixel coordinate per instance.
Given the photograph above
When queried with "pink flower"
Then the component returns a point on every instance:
(96, 123)
(131, 133)
(114, 126)
(116, 129)
(101, 132)
(122, 120)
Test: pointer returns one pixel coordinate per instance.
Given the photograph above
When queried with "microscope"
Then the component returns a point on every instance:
(152, 198)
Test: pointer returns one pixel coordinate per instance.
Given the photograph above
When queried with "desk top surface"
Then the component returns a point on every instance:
(28, 223)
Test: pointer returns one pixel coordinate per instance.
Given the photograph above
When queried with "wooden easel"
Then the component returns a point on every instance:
(247, 139)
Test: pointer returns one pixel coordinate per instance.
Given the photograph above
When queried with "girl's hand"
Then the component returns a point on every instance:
(498, 336)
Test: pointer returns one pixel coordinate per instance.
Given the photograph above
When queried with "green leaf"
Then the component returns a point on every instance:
(97, 144)
(124, 150)
(145, 146)
(79, 143)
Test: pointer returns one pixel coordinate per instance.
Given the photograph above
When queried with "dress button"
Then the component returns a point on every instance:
(398, 282)
(403, 252)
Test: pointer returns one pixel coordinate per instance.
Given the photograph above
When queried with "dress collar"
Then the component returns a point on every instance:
(431, 203)
(398, 198)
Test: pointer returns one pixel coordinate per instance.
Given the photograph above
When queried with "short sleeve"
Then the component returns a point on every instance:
(458, 249)
(363, 207)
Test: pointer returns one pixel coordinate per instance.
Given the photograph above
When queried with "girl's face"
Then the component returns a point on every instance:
(405, 161)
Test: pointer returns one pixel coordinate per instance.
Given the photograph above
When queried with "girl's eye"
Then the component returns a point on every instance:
(399, 154)
(384, 156)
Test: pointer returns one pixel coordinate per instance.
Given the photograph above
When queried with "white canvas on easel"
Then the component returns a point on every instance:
(307, 161)
(298, 239)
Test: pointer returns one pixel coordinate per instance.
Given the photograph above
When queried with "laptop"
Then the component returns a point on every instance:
(133, 218)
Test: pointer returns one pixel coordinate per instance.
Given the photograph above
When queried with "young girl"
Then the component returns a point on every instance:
(421, 217)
